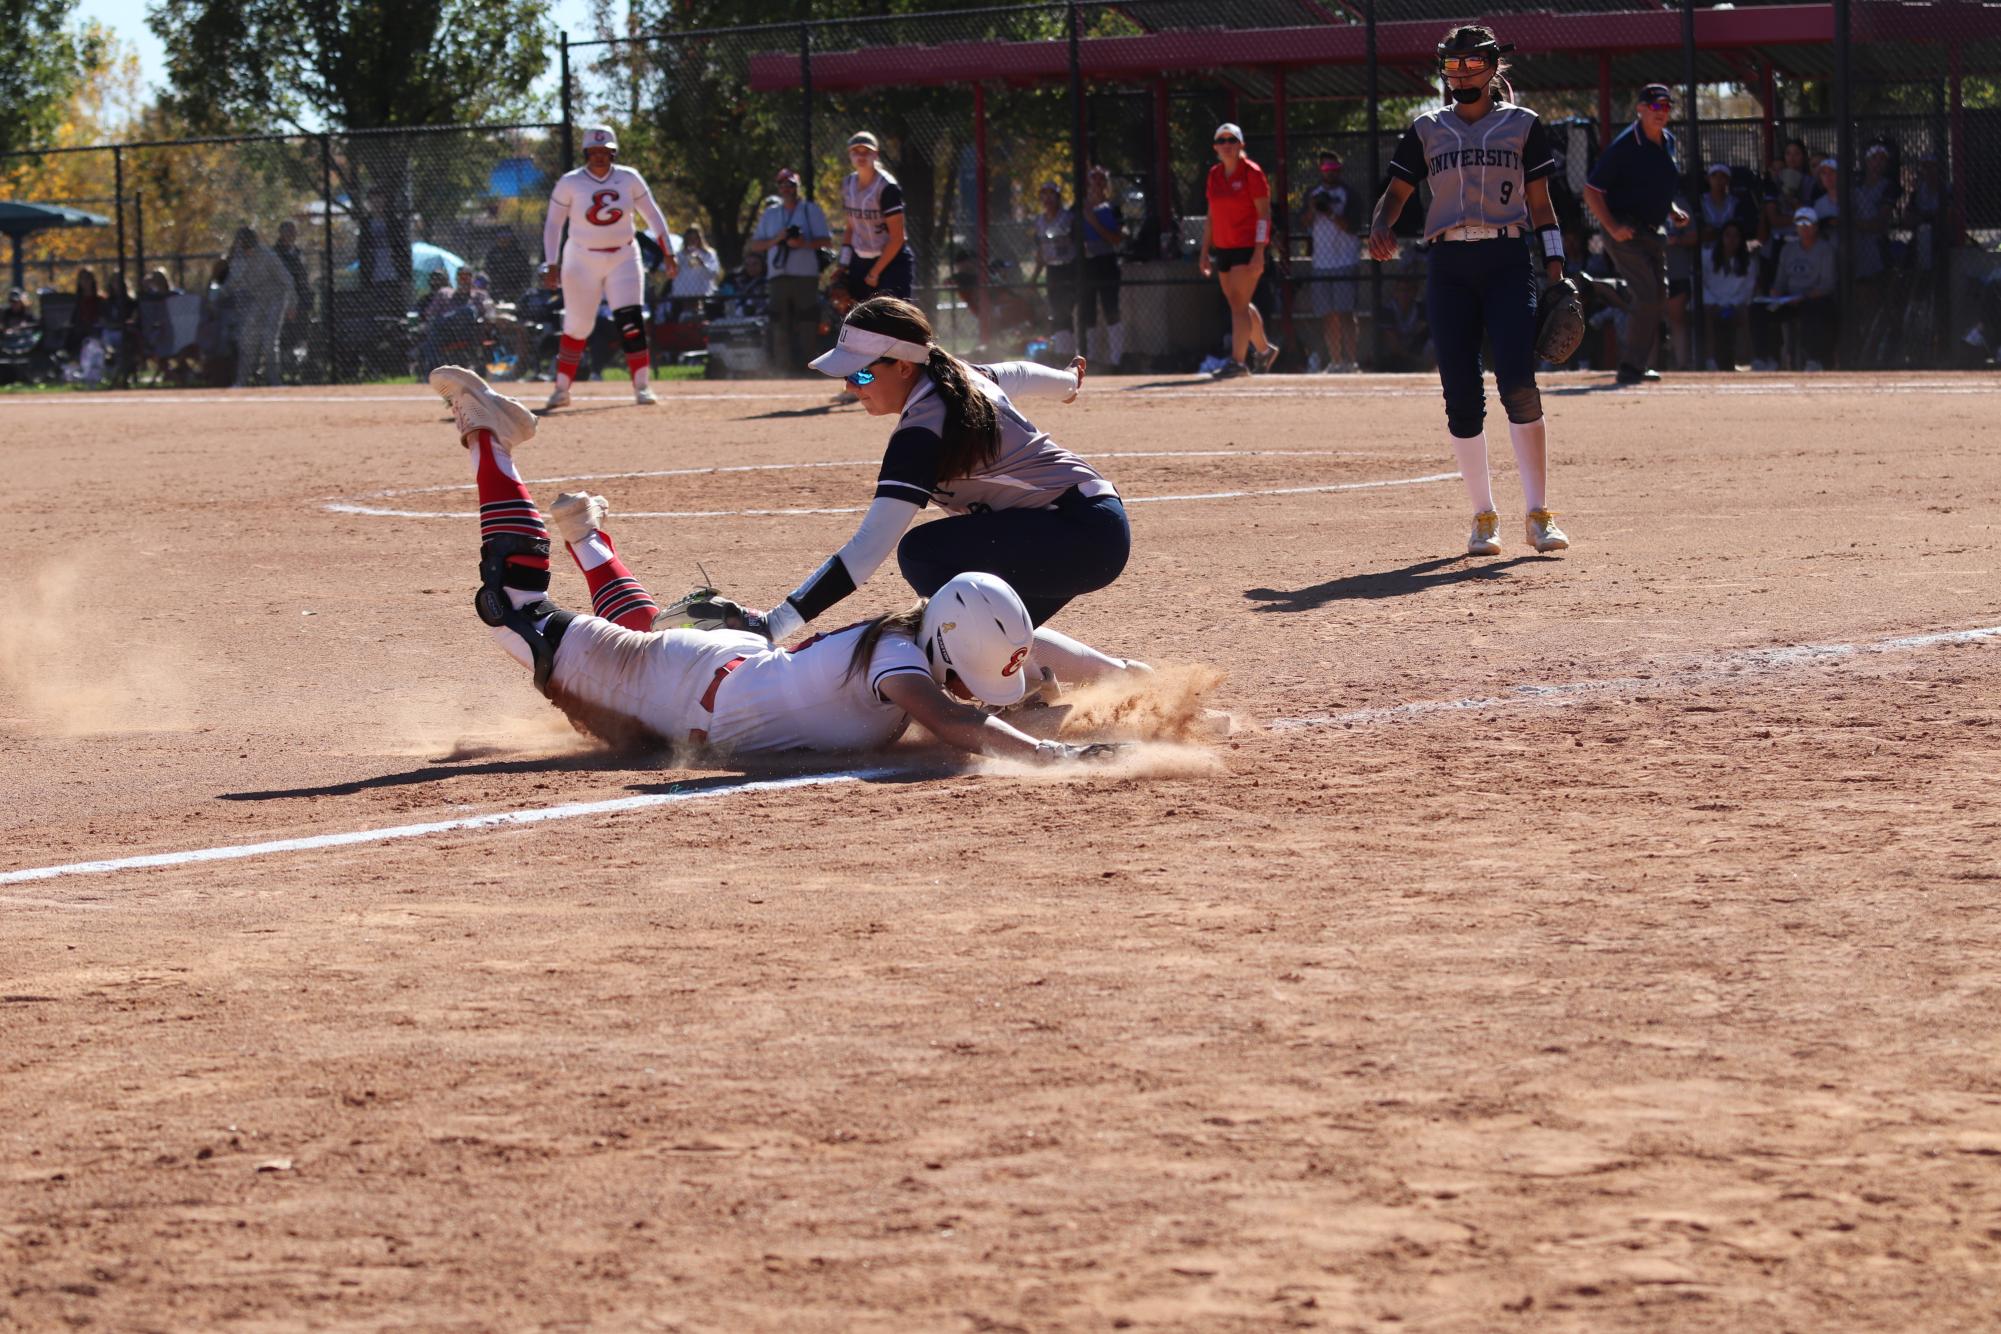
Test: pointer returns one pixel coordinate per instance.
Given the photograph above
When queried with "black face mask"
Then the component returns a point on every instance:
(1468, 96)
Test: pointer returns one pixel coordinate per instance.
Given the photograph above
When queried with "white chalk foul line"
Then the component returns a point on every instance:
(617, 805)
(382, 512)
(1754, 660)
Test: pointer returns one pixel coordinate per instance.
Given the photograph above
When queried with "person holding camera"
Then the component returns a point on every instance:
(1329, 219)
(792, 235)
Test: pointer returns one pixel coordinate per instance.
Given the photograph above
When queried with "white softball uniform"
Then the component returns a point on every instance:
(731, 687)
(601, 260)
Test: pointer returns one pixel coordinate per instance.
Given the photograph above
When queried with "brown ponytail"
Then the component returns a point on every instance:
(903, 622)
(971, 435)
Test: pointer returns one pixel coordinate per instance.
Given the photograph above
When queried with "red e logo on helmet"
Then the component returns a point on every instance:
(1014, 663)
(599, 215)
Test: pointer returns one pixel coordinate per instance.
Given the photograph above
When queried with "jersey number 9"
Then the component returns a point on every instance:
(1507, 191)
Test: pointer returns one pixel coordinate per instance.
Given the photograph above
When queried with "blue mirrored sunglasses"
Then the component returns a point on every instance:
(862, 377)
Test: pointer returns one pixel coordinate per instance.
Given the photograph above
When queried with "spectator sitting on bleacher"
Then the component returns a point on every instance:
(18, 314)
(695, 281)
(744, 292)
(507, 266)
(85, 317)
(1824, 198)
(1729, 282)
(1802, 298)
(455, 321)
(1722, 203)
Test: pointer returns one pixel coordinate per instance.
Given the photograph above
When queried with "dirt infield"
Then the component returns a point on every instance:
(1602, 942)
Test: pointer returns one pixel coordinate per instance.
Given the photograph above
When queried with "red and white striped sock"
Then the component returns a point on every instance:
(638, 363)
(616, 595)
(505, 507)
(569, 352)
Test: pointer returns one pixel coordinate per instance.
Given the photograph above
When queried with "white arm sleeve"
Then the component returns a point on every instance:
(552, 231)
(1025, 379)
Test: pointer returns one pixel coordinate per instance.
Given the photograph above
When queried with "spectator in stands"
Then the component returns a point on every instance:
(1056, 256)
(1729, 281)
(1802, 297)
(1824, 198)
(382, 252)
(697, 277)
(793, 235)
(1235, 236)
(1785, 194)
(121, 329)
(1722, 202)
(262, 292)
(1631, 194)
(746, 294)
(18, 315)
(1328, 219)
(1871, 211)
(215, 336)
(1406, 337)
(506, 266)
(287, 249)
(1104, 234)
(1924, 214)
(86, 318)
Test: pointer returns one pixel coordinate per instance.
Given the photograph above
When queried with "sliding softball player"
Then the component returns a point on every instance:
(1489, 164)
(627, 684)
(597, 201)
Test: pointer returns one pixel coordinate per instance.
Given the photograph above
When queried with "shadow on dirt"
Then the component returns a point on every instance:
(1387, 584)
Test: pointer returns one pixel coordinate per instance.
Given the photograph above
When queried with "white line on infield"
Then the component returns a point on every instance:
(378, 512)
(571, 811)
(1759, 659)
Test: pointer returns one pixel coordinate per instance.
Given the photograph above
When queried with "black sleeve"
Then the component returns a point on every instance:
(829, 584)
(910, 466)
(1407, 163)
(1537, 159)
(892, 198)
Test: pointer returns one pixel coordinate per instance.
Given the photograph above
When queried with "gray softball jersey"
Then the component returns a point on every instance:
(1478, 170)
(1028, 471)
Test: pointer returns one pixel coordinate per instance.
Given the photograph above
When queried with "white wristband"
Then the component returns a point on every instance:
(1264, 230)
(1552, 242)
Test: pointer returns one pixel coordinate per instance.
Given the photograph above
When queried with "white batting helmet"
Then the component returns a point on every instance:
(600, 136)
(976, 627)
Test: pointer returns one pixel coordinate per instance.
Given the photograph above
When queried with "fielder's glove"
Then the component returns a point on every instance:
(706, 609)
(1560, 326)
(1058, 752)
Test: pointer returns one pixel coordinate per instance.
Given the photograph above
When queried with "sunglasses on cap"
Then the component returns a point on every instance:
(866, 375)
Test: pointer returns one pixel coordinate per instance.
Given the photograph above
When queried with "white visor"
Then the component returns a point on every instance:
(858, 348)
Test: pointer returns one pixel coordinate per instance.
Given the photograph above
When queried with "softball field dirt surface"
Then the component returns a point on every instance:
(1596, 942)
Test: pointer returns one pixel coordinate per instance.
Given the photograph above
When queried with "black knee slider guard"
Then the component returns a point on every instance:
(540, 624)
(1522, 402)
(631, 328)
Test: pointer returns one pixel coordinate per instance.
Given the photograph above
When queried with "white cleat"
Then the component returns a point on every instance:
(645, 397)
(476, 407)
(577, 514)
(1485, 539)
(558, 399)
(1544, 535)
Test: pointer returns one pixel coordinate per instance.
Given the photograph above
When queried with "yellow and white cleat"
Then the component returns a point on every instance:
(1485, 539)
(1544, 535)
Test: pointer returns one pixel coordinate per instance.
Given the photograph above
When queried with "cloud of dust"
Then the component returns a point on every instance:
(1164, 705)
(1162, 714)
(438, 720)
(75, 669)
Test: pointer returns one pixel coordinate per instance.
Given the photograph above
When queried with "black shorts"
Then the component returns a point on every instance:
(1227, 258)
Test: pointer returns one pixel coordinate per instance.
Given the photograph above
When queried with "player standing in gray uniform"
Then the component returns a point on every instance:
(875, 245)
(1488, 163)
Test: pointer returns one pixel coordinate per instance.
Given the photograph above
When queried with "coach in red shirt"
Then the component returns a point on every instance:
(1234, 237)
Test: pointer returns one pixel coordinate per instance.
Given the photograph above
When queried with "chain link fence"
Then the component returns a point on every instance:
(992, 121)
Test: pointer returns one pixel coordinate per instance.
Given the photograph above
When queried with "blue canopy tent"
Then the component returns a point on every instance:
(20, 219)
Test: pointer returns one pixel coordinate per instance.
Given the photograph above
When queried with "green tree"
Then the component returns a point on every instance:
(351, 64)
(43, 61)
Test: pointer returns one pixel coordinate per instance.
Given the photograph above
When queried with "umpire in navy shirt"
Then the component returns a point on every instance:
(1631, 193)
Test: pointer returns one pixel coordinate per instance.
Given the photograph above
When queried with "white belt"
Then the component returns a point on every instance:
(1096, 487)
(1478, 233)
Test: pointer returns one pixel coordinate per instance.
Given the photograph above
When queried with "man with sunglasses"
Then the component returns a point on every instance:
(790, 236)
(1631, 194)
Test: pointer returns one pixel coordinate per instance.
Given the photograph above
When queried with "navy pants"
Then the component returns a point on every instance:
(1476, 289)
(1047, 556)
(897, 276)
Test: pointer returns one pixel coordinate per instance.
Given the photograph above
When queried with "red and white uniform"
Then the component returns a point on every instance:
(602, 259)
(771, 699)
